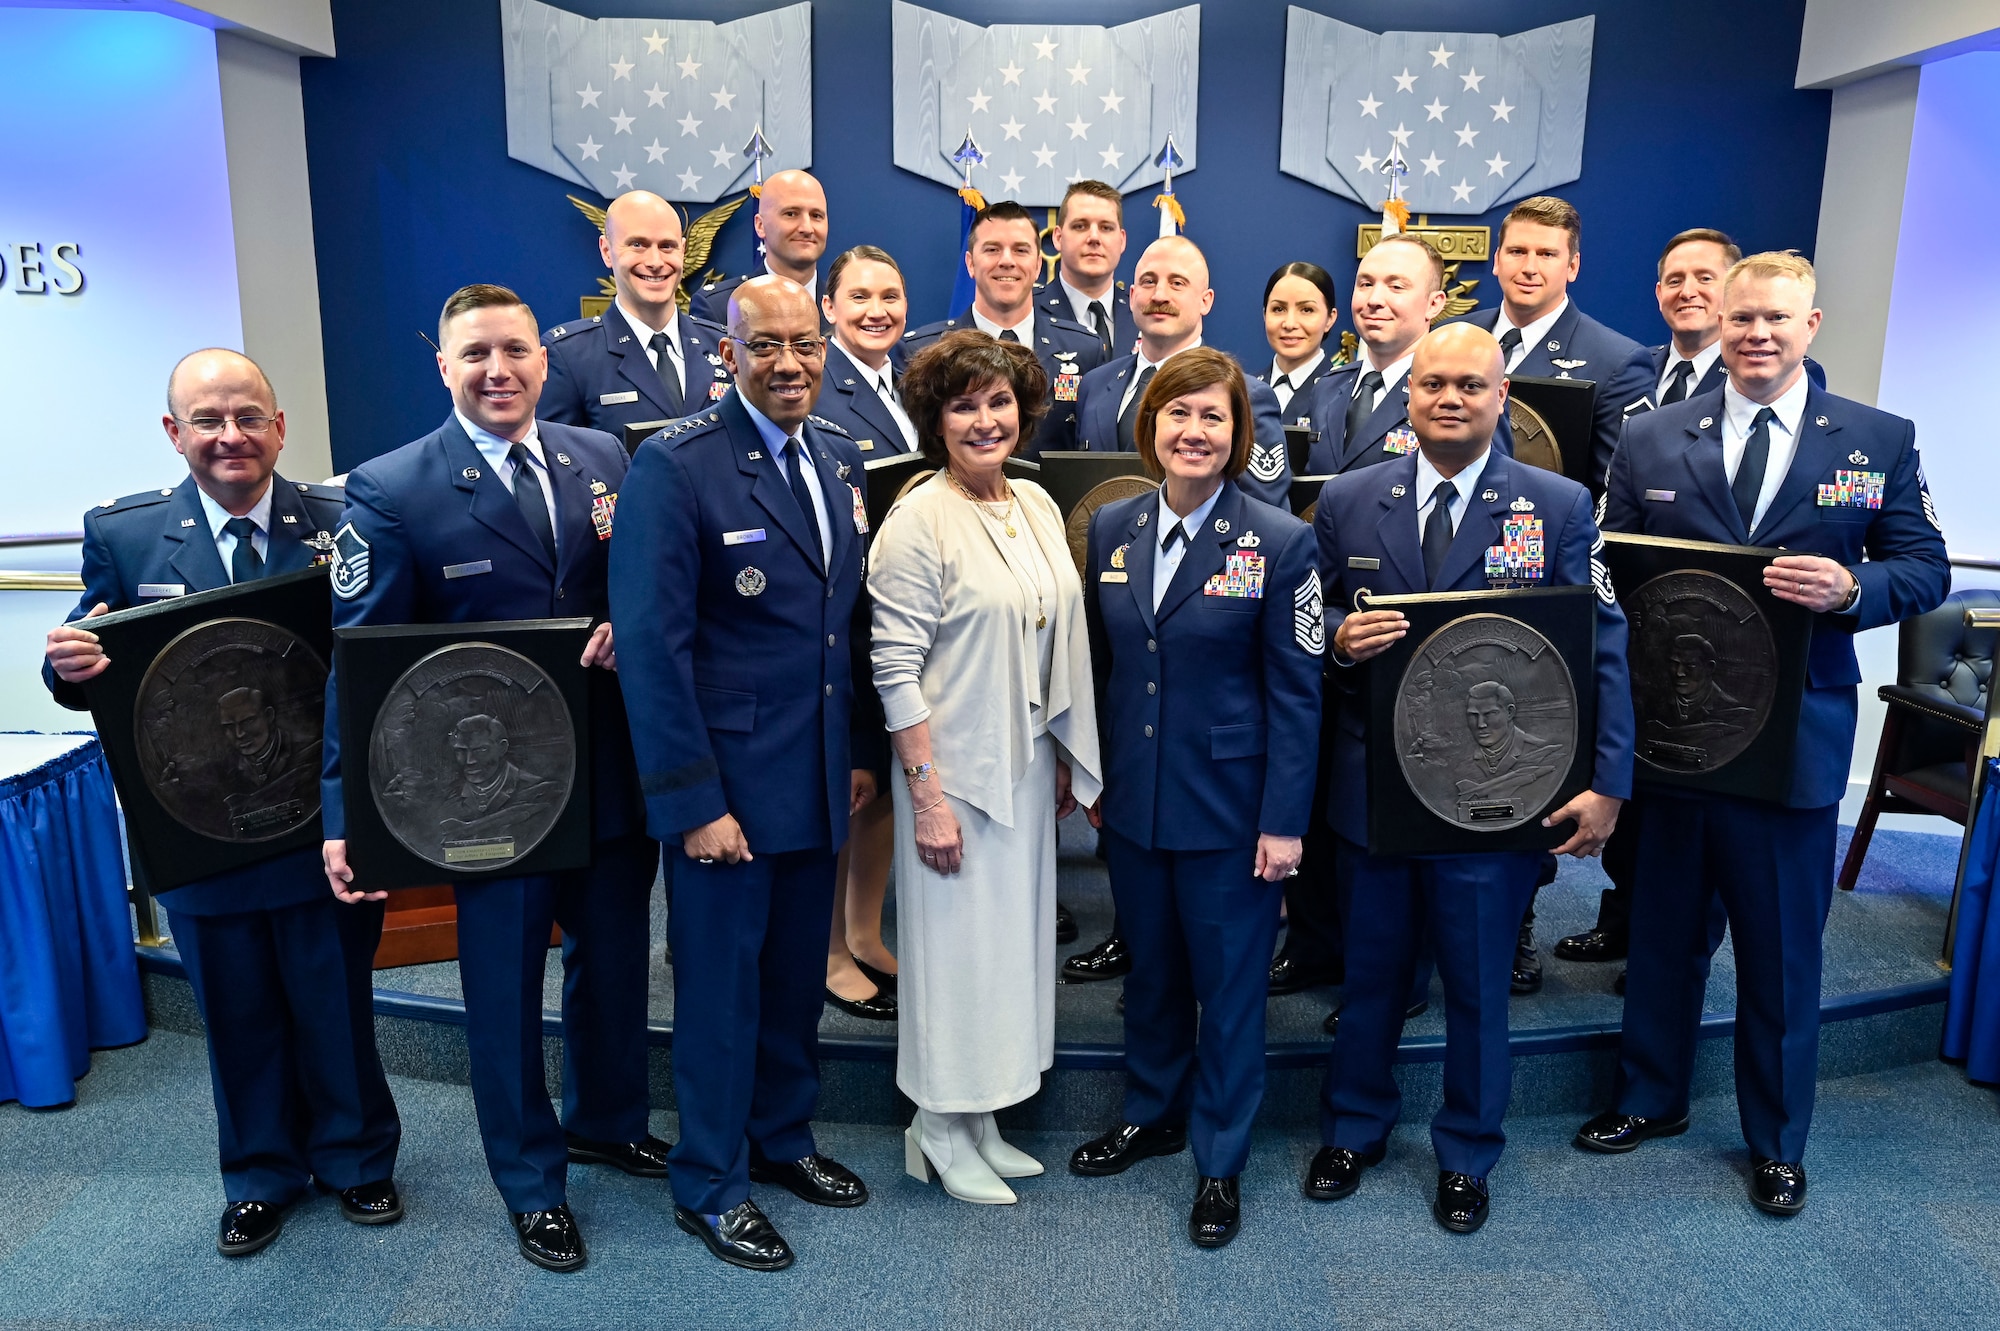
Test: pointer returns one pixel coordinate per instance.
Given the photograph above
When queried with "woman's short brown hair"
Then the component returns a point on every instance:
(1187, 372)
(960, 362)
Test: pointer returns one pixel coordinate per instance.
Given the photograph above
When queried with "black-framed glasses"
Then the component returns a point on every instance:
(211, 426)
(766, 348)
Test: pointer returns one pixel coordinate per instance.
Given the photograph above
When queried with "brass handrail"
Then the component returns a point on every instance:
(22, 580)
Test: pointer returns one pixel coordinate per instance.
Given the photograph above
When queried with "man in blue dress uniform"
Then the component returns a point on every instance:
(1392, 530)
(1003, 249)
(791, 231)
(1767, 460)
(737, 574)
(1090, 243)
(282, 975)
(494, 516)
(642, 359)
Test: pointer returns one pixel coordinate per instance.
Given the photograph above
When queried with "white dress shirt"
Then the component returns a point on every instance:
(1704, 358)
(674, 351)
(225, 541)
(1531, 336)
(1391, 376)
(1140, 367)
(1169, 561)
(1080, 304)
(1466, 483)
(776, 441)
(1025, 330)
(1286, 382)
(495, 450)
(884, 384)
(1738, 413)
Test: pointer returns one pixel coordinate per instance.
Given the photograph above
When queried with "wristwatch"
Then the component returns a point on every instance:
(1853, 595)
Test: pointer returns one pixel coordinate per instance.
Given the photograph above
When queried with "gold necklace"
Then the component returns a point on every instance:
(1006, 520)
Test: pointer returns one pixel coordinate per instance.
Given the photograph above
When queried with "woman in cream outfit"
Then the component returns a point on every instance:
(982, 659)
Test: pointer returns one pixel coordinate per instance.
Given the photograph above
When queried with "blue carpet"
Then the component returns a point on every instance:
(112, 1207)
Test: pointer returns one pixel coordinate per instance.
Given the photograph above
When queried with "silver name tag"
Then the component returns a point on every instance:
(617, 399)
(468, 570)
(748, 536)
(1661, 496)
(1111, 577)
(1362, 561)
(149, 589)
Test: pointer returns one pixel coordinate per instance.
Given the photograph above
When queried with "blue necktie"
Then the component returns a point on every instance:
(1750, 472)
(530, 498)
(1437, 532)
(245, 564)
(795, 460)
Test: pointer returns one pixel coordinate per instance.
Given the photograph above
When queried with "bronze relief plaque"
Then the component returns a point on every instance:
(1486, 722)
(472, 757)
(1704, 670)
(227, 726)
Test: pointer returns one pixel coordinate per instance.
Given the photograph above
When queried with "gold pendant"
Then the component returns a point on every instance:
(1010, 531)
(1041, 621)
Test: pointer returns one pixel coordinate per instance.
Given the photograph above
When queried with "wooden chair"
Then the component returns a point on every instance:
(420, 924)
(1937, 714)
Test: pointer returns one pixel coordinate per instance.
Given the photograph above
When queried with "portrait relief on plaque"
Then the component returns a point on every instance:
(472, 757)
(227, 726)
(1486, 722)
(1704, 670)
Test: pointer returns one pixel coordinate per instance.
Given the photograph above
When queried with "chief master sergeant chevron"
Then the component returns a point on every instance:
(736, 578)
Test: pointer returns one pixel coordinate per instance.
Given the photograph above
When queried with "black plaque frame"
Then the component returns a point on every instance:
(165, 853)
(1398, 822)
(1305, 492)
(1569, 406)
(1764, 769)
(886, 478)
(1069, 476)
(638, 432)
(1299, 440)
(370, 659)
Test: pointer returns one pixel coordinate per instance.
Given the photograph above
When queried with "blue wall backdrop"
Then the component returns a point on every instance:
(1693, 122)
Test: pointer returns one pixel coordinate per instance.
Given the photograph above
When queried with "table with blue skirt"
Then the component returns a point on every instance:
(69, 981)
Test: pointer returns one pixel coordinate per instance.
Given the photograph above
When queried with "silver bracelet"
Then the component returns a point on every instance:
(928, 807)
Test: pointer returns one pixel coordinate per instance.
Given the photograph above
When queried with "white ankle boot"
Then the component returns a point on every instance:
(1006, 1161)
(942, 1146)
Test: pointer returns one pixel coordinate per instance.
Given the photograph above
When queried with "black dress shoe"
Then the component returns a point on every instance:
(1613, 1133)
(741, 1236)
(883, 980)
(1777, 1187)
(1107, 961)
(246, 1227)
(1462, 1203)
(374, 1203)
(1217, 1212)
(1124, 1146)
(878, 1006)
(1335, 1172)
(1065, 925)
(1527, 962)
(1592, 945)
(1332, 1023)
(815, 1179)
(1289, 977)
(550, 1239)
(640, 1159)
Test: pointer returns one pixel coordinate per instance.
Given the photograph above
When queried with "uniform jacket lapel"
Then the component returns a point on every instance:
(285, 550)
(697, 345)
(1480, 527)
(575, 533)
(1397, 529)
(1393, 407)
(1103, 425)
(845, 377)
(1141, 559)
(767, 482)
(836, 489)
(621, 341)
(1207, 549)
(1815, 457)
(488, 499)
(1703, 457)
(1540, 361)
(196, 558)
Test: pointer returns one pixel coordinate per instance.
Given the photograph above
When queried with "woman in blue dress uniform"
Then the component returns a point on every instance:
(1299, 315)
(1206, 633)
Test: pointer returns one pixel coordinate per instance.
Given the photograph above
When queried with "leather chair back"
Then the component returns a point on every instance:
(1939, 656)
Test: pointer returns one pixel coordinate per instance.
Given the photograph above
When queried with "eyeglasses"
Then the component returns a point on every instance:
(210, 426)
(805, 348)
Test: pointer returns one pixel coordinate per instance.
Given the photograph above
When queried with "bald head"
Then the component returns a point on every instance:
(213, 365)
(223, 417)
(775, 315)
(791, 221)
(641, 245)
(1458, 388)
(1170, 296)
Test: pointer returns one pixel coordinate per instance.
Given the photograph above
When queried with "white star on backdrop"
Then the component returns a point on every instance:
(1011, 73)
(1497, 165)
(655, 44)
(979, 99)
(724, 99)
(1112, 157)
(721, 155)
(621, 68)
(688, 124)
(1472, 78)
(1045, 49)
(1369, 105)
(1367, 160)
(589, 95)
(1466, 135)
(1400, 135)
(1436, 110)
(1012, 128)
(1011, 182)
(656, 151)
(1440, 57)
(1502, 111)
(623, 177)
(1406, 81)
(689, 66)
(1078, 72)
(689, 180)
(1045, 155)
(1079, 128)
(656, 95)
(589, 148)
(622, 123)
(1114, 102)
(1461, 192)
(1432, 163)
(1046, 103)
